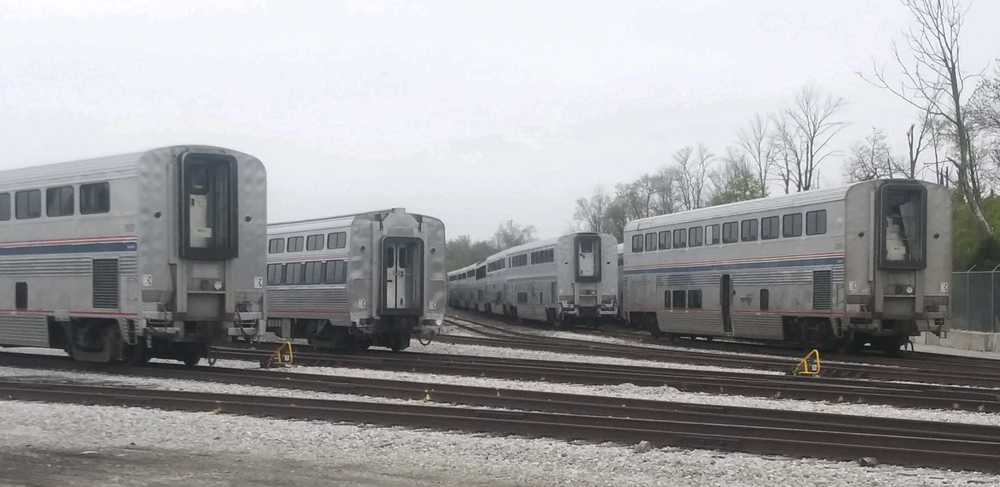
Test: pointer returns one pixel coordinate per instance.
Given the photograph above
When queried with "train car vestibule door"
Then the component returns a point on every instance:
(402, 273)
(726, 302)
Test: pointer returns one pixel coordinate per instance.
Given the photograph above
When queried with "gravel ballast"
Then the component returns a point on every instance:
(422, 457)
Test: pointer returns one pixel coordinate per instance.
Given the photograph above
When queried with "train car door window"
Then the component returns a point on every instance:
(765, 299)
(588, 256)
(903, 215)
(21, 295)
(4, 206)
(666, 299)
(209, 207)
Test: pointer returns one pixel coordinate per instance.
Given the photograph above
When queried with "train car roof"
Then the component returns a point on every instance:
(331, 222)
(812, 197)
(106, 167)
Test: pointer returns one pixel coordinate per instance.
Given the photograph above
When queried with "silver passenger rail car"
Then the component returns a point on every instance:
(571, 279)
(461, 287)
(354, 281)
(868, 263)
(151, 254)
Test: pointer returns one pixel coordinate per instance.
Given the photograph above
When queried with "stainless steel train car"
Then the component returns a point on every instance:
(461, 287)
(570, 279)
(152, 254)
(354, 281)
(868, 263)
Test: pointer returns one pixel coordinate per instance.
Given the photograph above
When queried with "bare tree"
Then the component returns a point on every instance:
(692, 170)
(761, 146)
(872, 159)
(937, 143)
(804, 132)
(592, 212)
(917, 141)
(510, 234)
(933, 81)
(665, 182)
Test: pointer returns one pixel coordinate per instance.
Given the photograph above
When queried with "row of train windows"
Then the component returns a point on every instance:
(336, 240)
(60, 201)
(328, 272)
(496, 265)
(770, 228)
(543, 256)
(682, 299)
(692, 299)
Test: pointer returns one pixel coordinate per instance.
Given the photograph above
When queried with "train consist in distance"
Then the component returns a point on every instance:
(572, 279)
(868, 263)
(354, 281)
(152, 254)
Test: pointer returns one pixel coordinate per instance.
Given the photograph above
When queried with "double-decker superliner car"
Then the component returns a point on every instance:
(572, 279)
(152, 254)
(354, 281)
(461, 287)
(868, 263)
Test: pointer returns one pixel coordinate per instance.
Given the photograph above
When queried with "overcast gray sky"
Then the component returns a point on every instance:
(474, 112)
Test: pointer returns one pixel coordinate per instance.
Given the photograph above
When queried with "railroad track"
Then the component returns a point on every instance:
(911, 371)
(570, 417)
(712, 382)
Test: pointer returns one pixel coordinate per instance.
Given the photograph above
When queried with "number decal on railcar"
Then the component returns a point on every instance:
(147, 280)
(944, 287)
(258, 282)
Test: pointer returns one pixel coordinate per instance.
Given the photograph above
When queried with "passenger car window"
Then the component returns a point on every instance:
(816, 222)
(650, 241)
(295, 244)
(748, 230)
(314, 242)
(276, 246)
(680, 238)
(95, 198)
(695, 236)
(729, 233)
(769, 228)
(28, 204)
(4, 206)
(664, 240)
(713, 234)
(791, 225)
(59, 201)
(636, 243)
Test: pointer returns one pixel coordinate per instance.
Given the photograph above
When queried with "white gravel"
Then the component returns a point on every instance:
(517, 353)
(198, 386)
(670, 394)
(461, 459)
(920, 347)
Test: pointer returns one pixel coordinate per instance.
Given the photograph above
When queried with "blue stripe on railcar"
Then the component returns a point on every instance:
(70, 248)
(739, 266)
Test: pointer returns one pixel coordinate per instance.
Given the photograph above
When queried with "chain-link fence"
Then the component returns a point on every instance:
(975, 304)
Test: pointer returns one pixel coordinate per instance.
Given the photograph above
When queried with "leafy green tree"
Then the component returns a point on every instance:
(739, 183)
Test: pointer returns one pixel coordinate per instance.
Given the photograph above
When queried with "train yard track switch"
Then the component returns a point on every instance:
(282, 357)
(809, 365)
